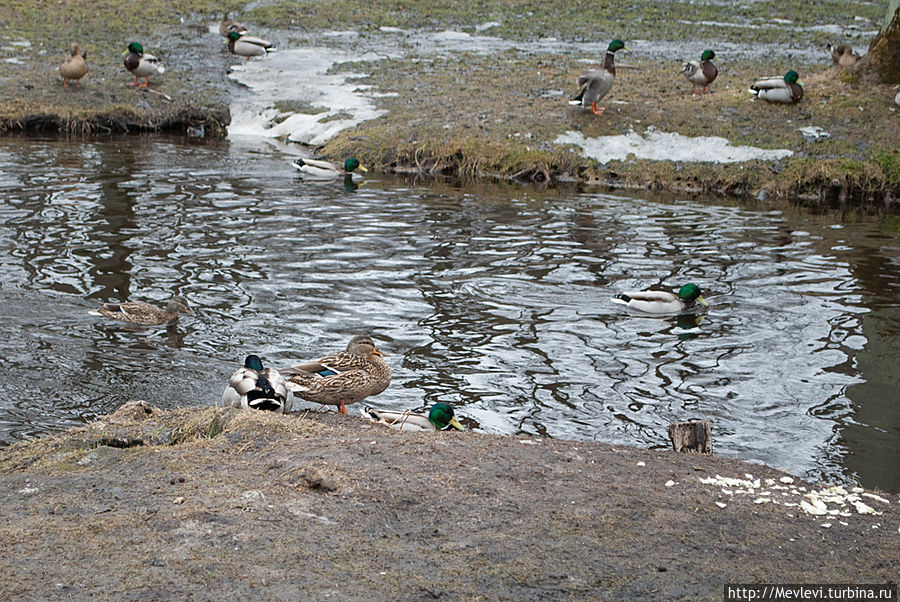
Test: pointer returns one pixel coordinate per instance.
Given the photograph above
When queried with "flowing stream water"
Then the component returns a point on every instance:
(496, 299)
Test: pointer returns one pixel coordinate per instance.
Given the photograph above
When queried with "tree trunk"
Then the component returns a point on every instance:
(694, 436)
(882, 62)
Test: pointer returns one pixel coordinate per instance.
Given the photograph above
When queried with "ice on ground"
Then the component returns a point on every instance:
(662, 146)
(300, 76)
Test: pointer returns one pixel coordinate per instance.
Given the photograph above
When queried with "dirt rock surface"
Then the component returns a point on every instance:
(203, 503)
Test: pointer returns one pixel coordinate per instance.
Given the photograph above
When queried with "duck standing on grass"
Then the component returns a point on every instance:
(702, 72)
(138, 312)
(248, 45)
(783, 90)
(315, 169)
(662, 302)
(343, 377)
(252, 386)
(142, 64)
(75, 66)
(596, 83)
(440, 418)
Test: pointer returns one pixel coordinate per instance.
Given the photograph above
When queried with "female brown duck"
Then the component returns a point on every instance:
(343, 377)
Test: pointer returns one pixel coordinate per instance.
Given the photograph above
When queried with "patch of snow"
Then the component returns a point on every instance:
(487, 25)
(813, 133)
(300, 75)
(663, 146)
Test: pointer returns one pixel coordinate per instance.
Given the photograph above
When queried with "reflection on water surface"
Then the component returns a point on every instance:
(496, 301)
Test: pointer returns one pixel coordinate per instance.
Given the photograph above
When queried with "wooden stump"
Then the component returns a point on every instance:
(694, 436)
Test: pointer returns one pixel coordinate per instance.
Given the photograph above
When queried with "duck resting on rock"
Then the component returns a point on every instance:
(782, 90)
(343, 377)
(75, 67)
(662, 302)
(440, 418)
(596, 83)
(315, 169)
(138, 312)
(248, 46)
(702, 72)
(142, 64)
(254, 387)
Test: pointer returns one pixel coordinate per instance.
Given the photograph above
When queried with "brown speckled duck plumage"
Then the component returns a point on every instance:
(343, 377)
(138, 312)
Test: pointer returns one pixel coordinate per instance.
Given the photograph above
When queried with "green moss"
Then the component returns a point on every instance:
(889, 161)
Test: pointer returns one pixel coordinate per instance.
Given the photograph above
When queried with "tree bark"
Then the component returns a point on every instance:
(882, 62)
(694, 436)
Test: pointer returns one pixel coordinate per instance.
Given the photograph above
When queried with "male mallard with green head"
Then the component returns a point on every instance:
(248, 45)
(343, 377)
(314, 169)
(142, 64)
(702, 72)
(662, 302)
(252, 386)
(596, 83)
(75, 66)
(138, 312)
(783, 90)
(440, 418)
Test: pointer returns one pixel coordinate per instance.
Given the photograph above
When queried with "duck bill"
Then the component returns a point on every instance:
(702, 301)
(455, 424)
(362, 169)
(378, 353)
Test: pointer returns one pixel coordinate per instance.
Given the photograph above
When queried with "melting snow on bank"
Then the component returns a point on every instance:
(661, 146)
(300, 77)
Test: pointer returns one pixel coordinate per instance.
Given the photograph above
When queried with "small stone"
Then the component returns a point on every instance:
(178, 500)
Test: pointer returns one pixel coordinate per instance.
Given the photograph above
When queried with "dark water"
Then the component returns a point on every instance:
(497, 301)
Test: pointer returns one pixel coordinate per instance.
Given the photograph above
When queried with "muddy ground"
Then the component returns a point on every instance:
(203, 503)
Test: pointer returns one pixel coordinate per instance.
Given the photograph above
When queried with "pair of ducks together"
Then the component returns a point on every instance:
(139, 63)
(337, 379)
(596, 83)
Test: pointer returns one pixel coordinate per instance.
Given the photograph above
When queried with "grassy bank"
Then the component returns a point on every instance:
(470, 114)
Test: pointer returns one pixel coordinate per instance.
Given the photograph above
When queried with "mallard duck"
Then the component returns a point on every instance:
(661, 302)
(440, 418)
(596, 83)
(314, 169)
(252, 386)
(343, 377)
(843, 55)
(248, 45)
(138, 312)
(142, 64)
(75, 66)
(226, 26)
(785, 90)
(702, 72)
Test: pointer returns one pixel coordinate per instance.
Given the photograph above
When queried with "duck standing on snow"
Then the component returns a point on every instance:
(252, 386)
(315, 169)
(343, 377)
(142, 64)
(662, 302)
(843, 55)
(783, 90)
(226, 26)
(75, 66)
(440, 418)
(702, 72)
(248, 45)
(596, 83)
(138, 312)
